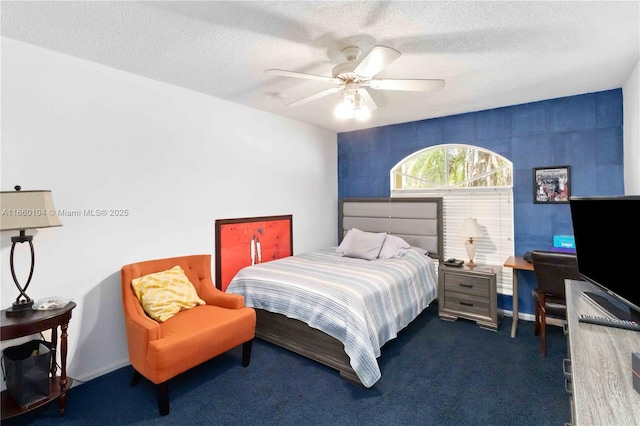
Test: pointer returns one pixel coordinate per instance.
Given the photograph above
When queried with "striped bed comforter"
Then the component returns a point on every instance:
(362, 303)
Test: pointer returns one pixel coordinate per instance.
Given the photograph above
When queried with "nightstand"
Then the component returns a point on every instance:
(470, 293)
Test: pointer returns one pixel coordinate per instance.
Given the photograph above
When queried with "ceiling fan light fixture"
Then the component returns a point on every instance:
(363, 113)
(352, 106)
(354, 77)
(343, 111)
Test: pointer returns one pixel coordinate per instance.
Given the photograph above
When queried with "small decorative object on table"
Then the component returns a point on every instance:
(50, 303)
(454, 262)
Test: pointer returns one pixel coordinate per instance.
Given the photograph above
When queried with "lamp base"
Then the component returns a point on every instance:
(20, 308)
(471, 251)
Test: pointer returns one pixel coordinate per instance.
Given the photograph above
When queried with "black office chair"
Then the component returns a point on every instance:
(551, 269)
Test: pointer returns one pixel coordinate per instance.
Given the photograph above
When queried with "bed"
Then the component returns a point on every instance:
(341, 310)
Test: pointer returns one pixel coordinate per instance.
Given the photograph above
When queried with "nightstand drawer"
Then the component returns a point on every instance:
(466, 284)
(464, 303)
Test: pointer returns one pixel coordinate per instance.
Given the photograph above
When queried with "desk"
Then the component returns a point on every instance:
(518, 264)
(600, 377)
(34, 322)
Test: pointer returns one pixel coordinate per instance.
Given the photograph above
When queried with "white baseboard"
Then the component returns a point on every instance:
(531, 317)
(77, 381)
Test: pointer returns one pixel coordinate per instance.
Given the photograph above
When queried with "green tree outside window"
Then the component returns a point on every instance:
(452, 166)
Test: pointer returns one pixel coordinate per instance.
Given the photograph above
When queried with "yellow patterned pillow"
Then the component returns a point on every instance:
(166, 293)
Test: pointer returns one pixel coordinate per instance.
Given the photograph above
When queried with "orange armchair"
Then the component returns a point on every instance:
(160, 351)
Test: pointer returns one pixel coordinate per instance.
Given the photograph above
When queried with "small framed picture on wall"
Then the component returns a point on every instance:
(551, 184)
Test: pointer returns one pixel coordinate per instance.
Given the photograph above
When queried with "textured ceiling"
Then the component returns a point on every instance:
(490, 54)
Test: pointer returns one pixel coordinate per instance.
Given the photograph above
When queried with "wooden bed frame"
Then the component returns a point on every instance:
(417, 220)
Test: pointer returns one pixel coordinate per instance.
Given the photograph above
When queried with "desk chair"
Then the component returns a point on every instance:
(551, 269)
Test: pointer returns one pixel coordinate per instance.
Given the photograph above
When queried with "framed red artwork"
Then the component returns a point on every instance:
(248, 241)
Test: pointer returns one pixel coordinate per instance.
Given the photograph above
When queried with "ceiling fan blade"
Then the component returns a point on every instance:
(316, 96)
(294, 74)
(376, 61)
(368, 100)
(423, 85)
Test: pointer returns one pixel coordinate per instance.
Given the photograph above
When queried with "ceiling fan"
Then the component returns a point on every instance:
(353, 77)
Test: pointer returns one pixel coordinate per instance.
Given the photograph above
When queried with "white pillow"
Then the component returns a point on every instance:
(347, 240)
(393, 247)
(361, 244)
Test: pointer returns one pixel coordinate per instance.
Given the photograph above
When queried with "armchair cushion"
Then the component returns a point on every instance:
(164, 294)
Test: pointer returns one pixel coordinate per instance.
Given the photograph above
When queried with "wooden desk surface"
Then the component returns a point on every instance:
(601, 373)
(517, 262)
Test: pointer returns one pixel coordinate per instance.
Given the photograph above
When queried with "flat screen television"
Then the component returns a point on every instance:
(607, 234)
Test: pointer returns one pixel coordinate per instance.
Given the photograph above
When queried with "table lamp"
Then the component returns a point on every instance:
(470, 230)
(22, 210)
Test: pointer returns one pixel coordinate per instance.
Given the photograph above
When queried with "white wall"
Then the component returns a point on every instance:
(176, 160)
(631, 124)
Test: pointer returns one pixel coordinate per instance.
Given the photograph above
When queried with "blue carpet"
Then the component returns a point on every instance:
(435, 373)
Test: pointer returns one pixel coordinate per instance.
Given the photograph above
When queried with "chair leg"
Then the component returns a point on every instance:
(536, 324)
(246, 353)
(135, 378)
(162, 395)
(543, 334)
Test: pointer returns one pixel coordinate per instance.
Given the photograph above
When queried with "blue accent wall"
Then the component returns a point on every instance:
(584, 132)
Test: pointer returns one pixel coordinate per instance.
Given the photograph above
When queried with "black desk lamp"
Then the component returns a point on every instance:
(22, 210)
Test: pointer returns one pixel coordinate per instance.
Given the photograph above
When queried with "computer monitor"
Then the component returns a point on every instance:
(607, 237)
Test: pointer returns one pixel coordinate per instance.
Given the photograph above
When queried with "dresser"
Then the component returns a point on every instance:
(598, 371)
(469, 292)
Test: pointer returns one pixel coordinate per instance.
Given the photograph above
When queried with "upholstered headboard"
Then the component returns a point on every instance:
(417, 220)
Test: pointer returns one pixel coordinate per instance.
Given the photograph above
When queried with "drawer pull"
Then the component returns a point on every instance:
(466, 303)
(567, 386)
(566, 368)
(466, 285)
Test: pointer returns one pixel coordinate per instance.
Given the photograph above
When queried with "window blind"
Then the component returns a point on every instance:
(493, 208)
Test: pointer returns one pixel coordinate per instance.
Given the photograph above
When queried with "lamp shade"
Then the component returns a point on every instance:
(470, 228)
(27, 210)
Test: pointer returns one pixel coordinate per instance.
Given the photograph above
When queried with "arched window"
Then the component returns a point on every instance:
(452, 166)
(473, 182)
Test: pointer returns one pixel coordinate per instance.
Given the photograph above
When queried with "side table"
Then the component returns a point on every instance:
(34, 322)
(469, 292)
